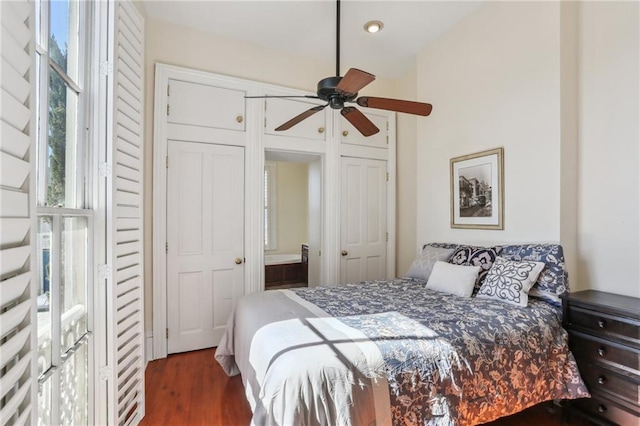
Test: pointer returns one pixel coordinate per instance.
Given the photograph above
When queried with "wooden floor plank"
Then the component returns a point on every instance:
(191, 389)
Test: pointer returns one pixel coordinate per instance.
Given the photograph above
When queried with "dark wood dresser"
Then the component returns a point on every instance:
(604, 337)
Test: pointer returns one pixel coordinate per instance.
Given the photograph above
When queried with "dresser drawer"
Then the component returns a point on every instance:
(604, 324)
(606, 409)
(598, 350)
(599, 379)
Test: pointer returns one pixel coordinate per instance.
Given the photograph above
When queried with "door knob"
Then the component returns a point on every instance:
(344, 252)
(238, 261)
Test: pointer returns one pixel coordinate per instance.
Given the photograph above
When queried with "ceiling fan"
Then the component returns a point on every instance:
(338, 91)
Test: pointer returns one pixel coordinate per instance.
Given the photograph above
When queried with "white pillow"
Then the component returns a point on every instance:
(510, 281)
(454, 279)
(423, 265)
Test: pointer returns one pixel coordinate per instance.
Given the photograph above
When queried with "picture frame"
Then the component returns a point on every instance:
(477, 190)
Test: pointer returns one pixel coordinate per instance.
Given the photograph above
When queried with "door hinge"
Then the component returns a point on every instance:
(387, 236)
(106, 68)
(167, 109)
(167, 333)
(104, 271)
(168, 86)
(387, 176)
(265, 122)
(166, 247)
(387, 139)
(166, 163)
(105, 372)
(104, 170)
(319, 252)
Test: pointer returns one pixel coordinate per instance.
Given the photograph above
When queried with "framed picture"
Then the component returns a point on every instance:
(477, 190)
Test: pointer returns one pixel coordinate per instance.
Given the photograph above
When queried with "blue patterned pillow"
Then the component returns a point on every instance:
(476, 256)
(442, 245)
(552, 281)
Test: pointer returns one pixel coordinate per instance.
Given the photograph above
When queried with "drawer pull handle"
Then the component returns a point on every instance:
(602, 408)
(602, 351)
(602, 380)
(601, 323)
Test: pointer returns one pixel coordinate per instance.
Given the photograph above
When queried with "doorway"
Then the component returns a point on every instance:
(292, 219)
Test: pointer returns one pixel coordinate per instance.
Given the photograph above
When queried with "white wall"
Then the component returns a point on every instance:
(406, 245)
(555, 84)
(292, 201)
(608, 223)
(494, 81)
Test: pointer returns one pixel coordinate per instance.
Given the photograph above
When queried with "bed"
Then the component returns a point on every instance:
(394, 352)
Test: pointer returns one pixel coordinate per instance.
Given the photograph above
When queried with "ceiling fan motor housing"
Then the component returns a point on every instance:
(327, 92)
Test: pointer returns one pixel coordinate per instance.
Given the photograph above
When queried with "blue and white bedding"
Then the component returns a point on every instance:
(393, 352)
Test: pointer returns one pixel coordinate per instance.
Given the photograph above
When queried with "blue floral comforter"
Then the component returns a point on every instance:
(453, 360)
(392, 352)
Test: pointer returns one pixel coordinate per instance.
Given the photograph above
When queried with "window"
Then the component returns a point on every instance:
(270, 218)
(64, 211)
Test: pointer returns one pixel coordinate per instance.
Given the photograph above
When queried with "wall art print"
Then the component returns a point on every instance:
(477, 190)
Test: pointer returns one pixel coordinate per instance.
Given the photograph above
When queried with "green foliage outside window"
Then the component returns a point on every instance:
(57, 128)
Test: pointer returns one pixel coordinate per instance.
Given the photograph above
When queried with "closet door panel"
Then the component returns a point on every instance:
(203, 105)
(350, 135)
(279, 111)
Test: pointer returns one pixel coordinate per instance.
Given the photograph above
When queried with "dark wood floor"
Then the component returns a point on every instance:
(191, 389)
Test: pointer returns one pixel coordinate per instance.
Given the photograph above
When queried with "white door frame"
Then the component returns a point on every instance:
(253, 159)
(255, 142)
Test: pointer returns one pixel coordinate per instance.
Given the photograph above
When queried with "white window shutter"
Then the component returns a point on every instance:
(124, 214)
(18, 383)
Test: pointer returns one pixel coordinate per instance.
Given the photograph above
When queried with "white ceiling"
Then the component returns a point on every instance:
(307, 27)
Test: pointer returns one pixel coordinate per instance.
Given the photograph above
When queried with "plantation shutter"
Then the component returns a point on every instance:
(17, 201)
(124, 216)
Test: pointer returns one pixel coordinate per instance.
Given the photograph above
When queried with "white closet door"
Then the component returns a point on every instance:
(279, 111)
(217, 107)
(125, 300)
(205, 237)
(351, 135)
(363, 219)
(17, 314)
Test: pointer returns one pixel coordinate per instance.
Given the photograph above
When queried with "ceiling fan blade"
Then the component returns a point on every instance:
(409, 107)
(282, 96)
(359, 121)
(298, 118)
(354, 80)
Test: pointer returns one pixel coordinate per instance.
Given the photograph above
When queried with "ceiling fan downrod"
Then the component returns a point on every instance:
(338, 38)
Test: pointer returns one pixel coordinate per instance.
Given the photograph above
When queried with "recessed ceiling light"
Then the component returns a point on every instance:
(373, 26)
